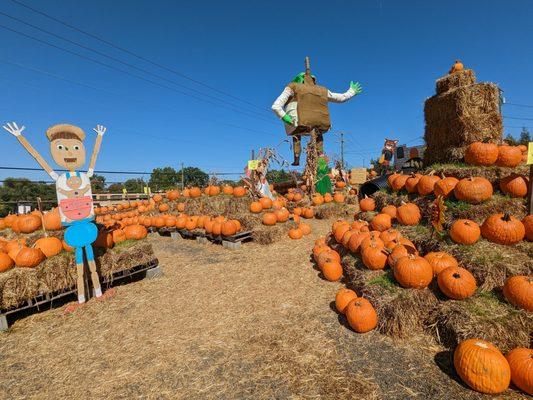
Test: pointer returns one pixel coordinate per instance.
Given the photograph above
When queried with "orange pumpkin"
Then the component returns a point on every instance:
(157, 198)
(408, 214)
(229, 228)
(521, 363)
(473, 190)
(479, 153)
(465, 231)
(440, 260)
(373, 256)
(426, 184)
(456, 283)
(195, 192)
(227, 189)
(445, 186)
(318, 199)
(412, 182)
(6, 262)
(482, 366)
(136, 232)
(528, 225)
(413, 272)
(342, 298)
(518, 290)
(509, 156)
(367, 204)
(282, 215)
(28, 223)
(269, 219)
(295, 233)
(332, 271)
(28, 257)
(239, 191)
(338, 197)
(305, 228)
(266, 203)
(399, 182)
(118, 236)
(308, 213)
(503, 229)
(390, 210)
(361, 315)
(52, 220)
(50, 246)
(514, 185)
(381, 222)
(256, 207)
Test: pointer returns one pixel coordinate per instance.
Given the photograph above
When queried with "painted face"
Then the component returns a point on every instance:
(68, 153)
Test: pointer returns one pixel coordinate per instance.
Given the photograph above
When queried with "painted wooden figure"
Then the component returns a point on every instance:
(74, 195)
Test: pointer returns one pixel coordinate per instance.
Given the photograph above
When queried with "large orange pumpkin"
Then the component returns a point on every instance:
(52, 220)
(282, 215)
(482, 366)
(361, 315)
(28, 223)
(332, 271)
(413, 272)
(367, 204)
(518, 290)
(136, 232)
(227, 189)
(473, 190)
(509, 156)
(426, 184)
(118, 236)
(50, 246)
(440, 260)
(456, 283)
(390, 210)
(381, 222)
(412, 182)
(374, 256)
(514, 185)
(408, 214)
(445, 186)
(465, 231)
(269, 219)
(528, 225)
(266, 203)
(5, 262)
(29, 257)
(503, 229)
(239, 191)
(479, 153)
(229, 228)
(521, 363)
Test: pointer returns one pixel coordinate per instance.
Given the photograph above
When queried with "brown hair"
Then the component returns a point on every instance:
(64, 135)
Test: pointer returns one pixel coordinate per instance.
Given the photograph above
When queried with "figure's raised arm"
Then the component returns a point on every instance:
(280, 102)
(355, 89)
(16, 131)
(100, 130)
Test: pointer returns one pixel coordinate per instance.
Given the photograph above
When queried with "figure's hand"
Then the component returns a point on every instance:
(288, 119)
(14, 129)
(356, 87)
(100, 129)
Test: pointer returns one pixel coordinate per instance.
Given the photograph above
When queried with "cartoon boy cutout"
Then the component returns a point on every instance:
(73, 189)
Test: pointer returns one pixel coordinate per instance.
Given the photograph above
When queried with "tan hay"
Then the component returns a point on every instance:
(124, 256)
(335, 210)
(459, 117)
(269, 234)
(17, 286)
(452, 81)
(482, 316)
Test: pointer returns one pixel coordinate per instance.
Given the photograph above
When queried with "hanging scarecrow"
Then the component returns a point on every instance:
(74, 195)
(387, 152)
(303, 106)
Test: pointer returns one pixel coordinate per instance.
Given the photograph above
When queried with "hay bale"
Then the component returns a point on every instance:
(57, 273)
(483, 316)
(458, 117)
(452, 81)
(335, 210)
(123, 256)
(269, 234)
(492, 173)
(401, 312)
(17, 286)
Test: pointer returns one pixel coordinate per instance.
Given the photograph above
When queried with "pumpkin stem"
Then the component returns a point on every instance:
(506, 217)
(456, 275)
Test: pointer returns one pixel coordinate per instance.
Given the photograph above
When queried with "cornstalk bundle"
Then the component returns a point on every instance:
(311, 164)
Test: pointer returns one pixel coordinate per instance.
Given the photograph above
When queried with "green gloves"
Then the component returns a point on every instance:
(288, 119)
(356, 87)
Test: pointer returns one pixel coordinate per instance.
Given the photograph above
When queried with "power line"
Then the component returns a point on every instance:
(522, 119)
(115, 59)
(515, 126)
(518, 105)
(115, 46)
(110, 172)
(244, 112)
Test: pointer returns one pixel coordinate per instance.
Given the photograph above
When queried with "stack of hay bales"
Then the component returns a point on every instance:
(461, 112)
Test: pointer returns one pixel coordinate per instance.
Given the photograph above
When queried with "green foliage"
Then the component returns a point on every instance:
(21, 189)
(385, 280)
(134, 185)
(164, 179)
(525, 137)
(278, 175)
(193, 176)
(115, 188)
(98, 183)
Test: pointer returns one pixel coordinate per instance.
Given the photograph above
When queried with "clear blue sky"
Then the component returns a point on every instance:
(250, 49)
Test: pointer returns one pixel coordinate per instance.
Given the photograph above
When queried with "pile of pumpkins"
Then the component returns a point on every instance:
(32, 222)
(483, 367)
(497, 228)
(473, 190)
(17, 253)
(487, 154)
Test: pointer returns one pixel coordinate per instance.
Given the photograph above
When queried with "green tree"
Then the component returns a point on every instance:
(98, 183)
(525, 137)
(14, 190)
(115, 188)
(511, 140)
(193, 176)
(278, 175)
(163, 178)
(135, 185)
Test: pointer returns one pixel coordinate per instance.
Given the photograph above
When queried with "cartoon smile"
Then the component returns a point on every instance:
(70, 160)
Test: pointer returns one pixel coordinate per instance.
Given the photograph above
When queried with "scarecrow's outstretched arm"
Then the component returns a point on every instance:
(355, 88)
(17, 132)
(280, 102)
(100, 130)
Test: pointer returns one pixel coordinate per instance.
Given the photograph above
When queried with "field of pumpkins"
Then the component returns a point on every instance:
(447, 252)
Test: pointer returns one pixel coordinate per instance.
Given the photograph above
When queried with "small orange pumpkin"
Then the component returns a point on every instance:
(361, 315)
(50, 246)
(342, 298)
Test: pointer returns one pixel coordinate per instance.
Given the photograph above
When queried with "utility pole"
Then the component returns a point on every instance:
(342, 149)
(182, 177)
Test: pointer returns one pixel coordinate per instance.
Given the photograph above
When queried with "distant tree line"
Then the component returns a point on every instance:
(524, 138)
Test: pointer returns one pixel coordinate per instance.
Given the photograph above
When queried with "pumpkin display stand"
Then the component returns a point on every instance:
(461, 113)
(55, 277)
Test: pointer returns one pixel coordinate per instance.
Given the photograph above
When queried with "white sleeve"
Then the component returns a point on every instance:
(54, 175)
(90, 172)
(341, 97)
(280, 102)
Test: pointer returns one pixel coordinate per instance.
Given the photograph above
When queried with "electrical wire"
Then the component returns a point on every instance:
(117, 47)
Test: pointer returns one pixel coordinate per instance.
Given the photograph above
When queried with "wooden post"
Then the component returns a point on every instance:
(530, 191)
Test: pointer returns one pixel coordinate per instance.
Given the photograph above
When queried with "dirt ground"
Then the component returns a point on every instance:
(251, 323)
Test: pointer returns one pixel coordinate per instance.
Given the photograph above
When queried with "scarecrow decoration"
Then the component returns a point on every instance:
(303, 106)
(387, 152)
(74, 195)
(256, 171)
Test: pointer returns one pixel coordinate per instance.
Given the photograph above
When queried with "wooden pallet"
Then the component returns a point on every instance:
(229, 242)
(46, 301)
